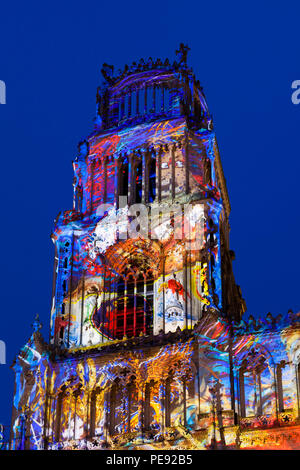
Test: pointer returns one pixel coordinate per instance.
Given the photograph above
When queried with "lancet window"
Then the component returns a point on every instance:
(134, 305)
(256, 397)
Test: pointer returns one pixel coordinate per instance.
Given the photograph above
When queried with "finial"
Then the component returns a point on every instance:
(107, 72)
(182, 53)
(36, 325)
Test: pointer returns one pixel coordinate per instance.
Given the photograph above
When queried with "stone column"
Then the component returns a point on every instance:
(158, 174)
(185, 285)
(131, 173)
(167, 402)
(161, 398)
(118, 166)
(71, 288)
(145, 176)
(242, 393)
(88, 394)
(112, 411)
(141, 419)
(187, 166)
(279, 368)
(163, 262)
(92, 184)
(57, 423)
(147, 401)
(297, 366)
(173, 177)
(259, 407)
(184, 401)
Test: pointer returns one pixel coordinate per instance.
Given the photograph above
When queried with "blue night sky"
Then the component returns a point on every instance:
(246, 56)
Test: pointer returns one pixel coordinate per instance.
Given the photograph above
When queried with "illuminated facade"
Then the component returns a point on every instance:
(147, 346)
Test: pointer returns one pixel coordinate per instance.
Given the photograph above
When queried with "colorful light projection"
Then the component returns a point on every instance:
(162, 396)
(142, 354)
(96, 232)
(178, 271)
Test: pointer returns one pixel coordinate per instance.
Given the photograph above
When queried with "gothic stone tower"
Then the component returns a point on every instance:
(125, 305)
(143, 294)
(153, 153)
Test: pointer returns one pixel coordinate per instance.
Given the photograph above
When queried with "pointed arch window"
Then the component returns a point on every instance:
(250, 394)
(140, 307)
(134, 307)
(112, 410)
(133, 103)
(254, 385)
(59, 413)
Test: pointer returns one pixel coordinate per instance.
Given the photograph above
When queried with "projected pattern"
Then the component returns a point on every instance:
(148, 348)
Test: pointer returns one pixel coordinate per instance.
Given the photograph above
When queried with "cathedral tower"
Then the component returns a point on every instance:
(146, 338)
(146, 247)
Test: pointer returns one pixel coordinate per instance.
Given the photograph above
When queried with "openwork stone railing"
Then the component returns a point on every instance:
(269, 323)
